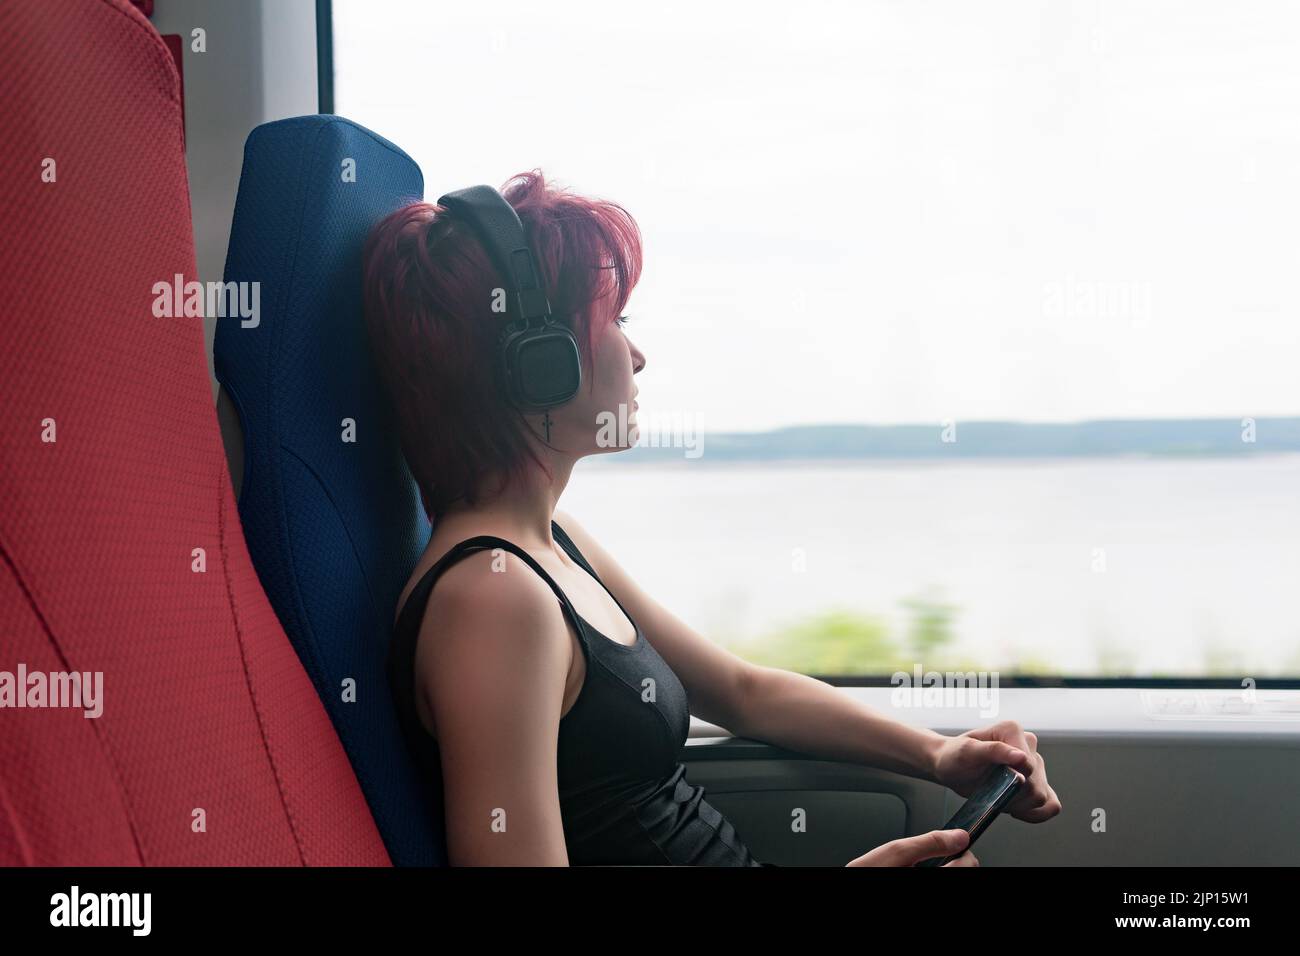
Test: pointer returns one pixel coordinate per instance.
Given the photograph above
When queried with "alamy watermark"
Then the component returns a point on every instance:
(964, 689)
(77, 908)
(73, 689)
(1075, 298)
(675, 430)
(198, 300)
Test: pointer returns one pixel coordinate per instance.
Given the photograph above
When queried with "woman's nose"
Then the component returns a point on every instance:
(638, 360)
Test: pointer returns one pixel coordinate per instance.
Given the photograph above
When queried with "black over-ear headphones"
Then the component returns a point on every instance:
(539, 353)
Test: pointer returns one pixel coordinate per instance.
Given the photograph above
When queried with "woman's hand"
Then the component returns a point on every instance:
(964, 760)
(910, 851)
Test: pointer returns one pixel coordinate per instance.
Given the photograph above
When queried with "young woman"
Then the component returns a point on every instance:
(547, 688)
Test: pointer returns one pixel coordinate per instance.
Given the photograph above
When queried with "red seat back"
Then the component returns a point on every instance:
(120, 543)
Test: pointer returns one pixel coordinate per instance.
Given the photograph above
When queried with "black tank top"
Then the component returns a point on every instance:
(624, 796)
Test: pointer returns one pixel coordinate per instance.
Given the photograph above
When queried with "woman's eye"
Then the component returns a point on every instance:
(622, 320)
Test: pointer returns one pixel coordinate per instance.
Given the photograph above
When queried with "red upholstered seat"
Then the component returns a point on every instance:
(207, 712)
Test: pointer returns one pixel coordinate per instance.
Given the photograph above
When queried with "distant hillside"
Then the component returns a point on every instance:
(1151, 437)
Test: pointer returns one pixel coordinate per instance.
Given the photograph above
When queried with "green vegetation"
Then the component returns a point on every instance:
(843, 641)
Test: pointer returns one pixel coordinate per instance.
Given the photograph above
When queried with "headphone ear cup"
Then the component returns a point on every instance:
(543, 367)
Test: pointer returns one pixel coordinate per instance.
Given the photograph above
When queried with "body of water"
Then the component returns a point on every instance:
(1089, 566)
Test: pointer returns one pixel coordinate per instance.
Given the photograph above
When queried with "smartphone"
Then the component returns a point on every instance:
(994, 792)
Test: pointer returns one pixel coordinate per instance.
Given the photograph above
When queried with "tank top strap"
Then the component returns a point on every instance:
(419, 596)
(571, 549)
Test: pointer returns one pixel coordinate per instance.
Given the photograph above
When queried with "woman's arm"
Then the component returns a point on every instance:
(492, 677)
(781, 707)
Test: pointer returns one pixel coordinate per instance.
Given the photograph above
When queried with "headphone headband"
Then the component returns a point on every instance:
(502, 234)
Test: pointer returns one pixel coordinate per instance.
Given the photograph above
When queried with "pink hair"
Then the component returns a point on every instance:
(427, 287)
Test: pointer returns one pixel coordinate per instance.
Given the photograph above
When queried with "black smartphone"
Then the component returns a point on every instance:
(994, 792)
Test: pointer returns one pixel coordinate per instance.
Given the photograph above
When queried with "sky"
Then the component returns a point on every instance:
(894, 212)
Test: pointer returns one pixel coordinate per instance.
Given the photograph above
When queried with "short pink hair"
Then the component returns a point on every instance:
(427, 287)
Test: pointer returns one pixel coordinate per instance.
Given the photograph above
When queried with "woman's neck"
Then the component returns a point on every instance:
(521, 512)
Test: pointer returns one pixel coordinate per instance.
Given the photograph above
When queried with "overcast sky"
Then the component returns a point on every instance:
(894, 211)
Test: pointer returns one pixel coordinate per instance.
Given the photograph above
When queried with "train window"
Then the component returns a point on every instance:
(970, 328)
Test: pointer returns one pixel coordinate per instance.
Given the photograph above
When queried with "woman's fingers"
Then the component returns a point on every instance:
(1037, 801)
(928, 845)
(910, 851)
(937, 843)
(966, 859)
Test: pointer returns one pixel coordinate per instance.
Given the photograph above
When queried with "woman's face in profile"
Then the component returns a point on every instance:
(602, 418)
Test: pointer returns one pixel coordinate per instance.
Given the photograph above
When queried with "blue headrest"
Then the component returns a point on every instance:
(330, 511)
